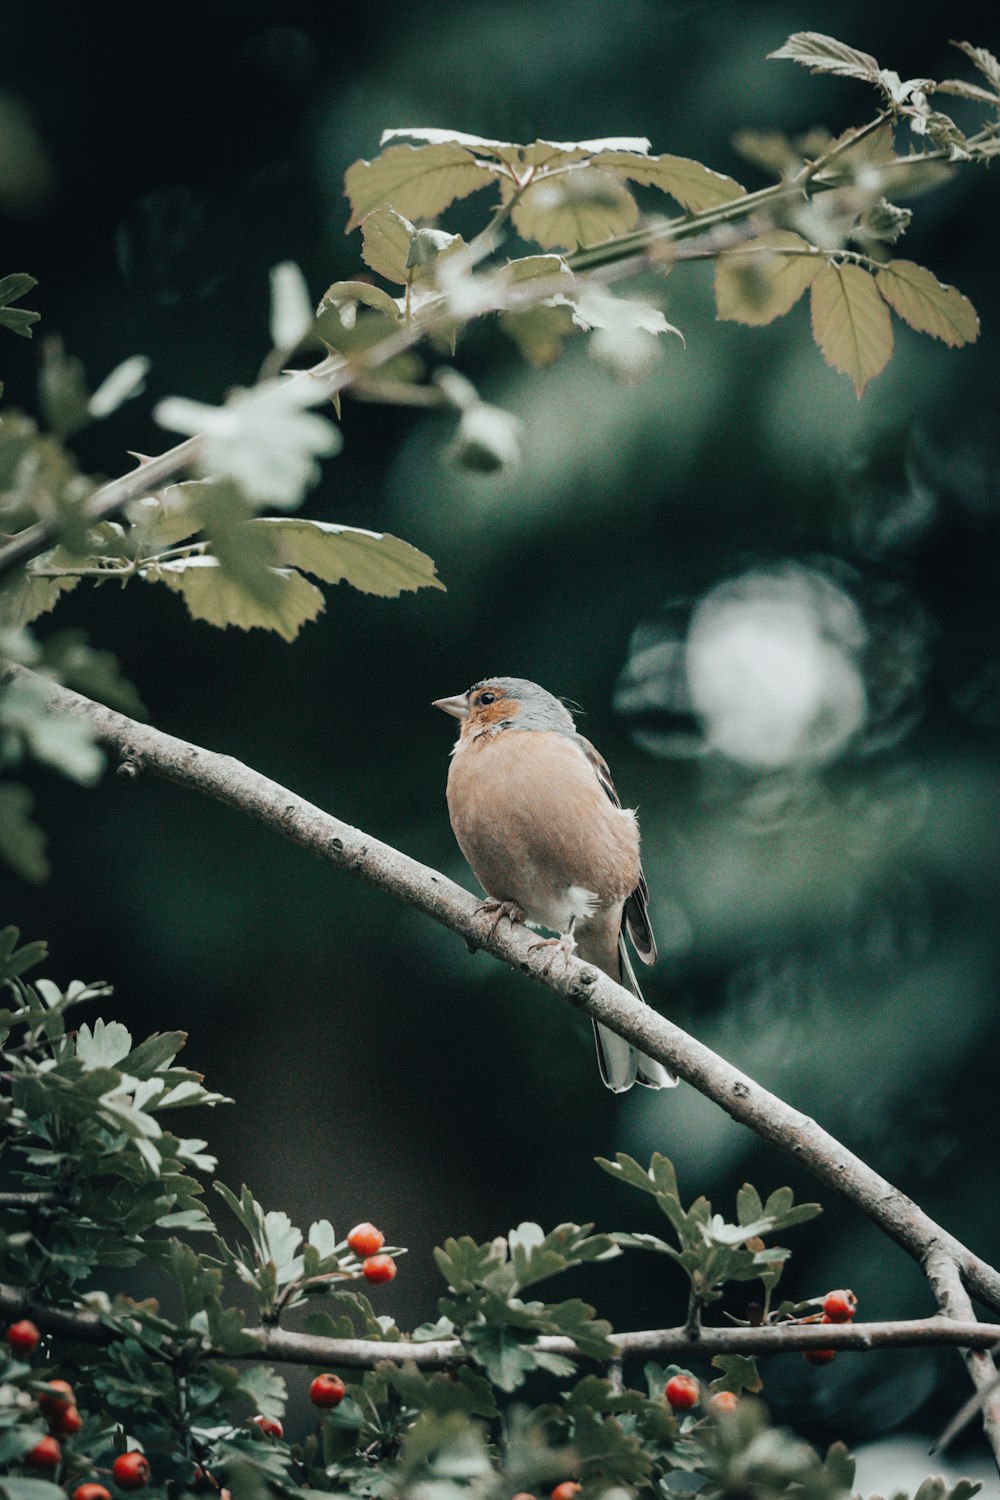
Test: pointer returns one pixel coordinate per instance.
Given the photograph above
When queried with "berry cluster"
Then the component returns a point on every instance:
(838, 1307)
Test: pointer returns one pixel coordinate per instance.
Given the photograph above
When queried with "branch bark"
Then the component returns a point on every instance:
(954, 1301)
(228, 781)
(441, 1354)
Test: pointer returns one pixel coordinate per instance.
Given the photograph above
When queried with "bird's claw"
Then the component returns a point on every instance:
(564, 947)
(499, 910)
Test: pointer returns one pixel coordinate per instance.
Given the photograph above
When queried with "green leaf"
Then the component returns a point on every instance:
(582, 207)
(851, 323)
(24, 597)
(739, 1374)
(694, 186)
(540, 332)
(418, 181)
(757, 283)
(263, 1389)
(386, 238)
(22, 842)
(927, 304)
(15, 961)
(660, 1179)
(104, 1046)
(372, 561)
(504, 1353)
(464, 1264)
(984, 61)
(350, 293)
(62, 389)
(748, 1204)
(125, 381)
(17, 319)
(607, 1452)
(824, 54)
(576, 1320)
(464, 1391)
(211, 596)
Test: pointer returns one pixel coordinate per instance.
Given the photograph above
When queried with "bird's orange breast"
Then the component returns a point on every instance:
(530, 815)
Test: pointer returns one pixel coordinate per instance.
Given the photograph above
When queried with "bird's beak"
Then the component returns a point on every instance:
(458, 706)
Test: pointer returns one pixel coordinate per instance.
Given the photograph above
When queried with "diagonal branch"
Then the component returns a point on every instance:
(441, 1354)
(946, 1283)
(229, 781)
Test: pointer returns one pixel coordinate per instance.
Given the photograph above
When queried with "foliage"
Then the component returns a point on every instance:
(96, 1180)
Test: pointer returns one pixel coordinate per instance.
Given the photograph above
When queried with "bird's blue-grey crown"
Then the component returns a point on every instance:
(539, 709)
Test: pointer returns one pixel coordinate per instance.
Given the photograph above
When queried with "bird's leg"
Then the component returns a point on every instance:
(564, 945)
(498, 910)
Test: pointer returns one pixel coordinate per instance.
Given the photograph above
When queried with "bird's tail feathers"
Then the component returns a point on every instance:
(648, 1071)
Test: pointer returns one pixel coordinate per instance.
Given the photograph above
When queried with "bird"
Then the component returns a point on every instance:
(536, 815)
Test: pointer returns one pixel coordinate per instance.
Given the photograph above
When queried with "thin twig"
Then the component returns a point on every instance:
(228, 781)
(945, 1278)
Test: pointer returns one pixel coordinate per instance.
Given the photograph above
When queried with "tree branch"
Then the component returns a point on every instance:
(441, 1354)
(229, 781)
(954, 1302)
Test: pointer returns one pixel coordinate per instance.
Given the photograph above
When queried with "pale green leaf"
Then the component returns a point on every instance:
(986, 63)
(372, 561)
(578, 208)
(386, 237)
(757, 283)
(292, 315)
(851, 323)
(345, 293)
(824, 54)
(24, 597)
(418, 181)
(105, 1045)
(695, 187)
(125, 381)
(540, 332)
(211, 596)
(927, 304)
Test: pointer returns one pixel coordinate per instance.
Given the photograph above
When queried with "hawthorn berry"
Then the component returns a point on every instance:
(725, 1401)
(91, 1492)
(131, 1470)
(269, 1426)
(682, 1392)
(365, 1239)
(66, 1422)
(840, 1307)
(56, 1398)
(46, 1454)
(327, 1391)
(23, 1337)
(523, 1495)
(378, 1268)
(567, 1490)
(819, 1356)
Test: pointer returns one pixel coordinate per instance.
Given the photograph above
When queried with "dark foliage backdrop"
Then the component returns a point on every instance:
(826, 908)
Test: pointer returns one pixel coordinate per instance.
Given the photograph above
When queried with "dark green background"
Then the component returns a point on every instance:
(843, 952)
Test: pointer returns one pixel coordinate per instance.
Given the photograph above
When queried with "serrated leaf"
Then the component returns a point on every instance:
(581, 207)
(963, 90)
(464, 1264)
(694, 186)
(24, 597)
(851, 323)
(927, 304)
(372, 561)
(418, 181)
(218, 600)
(263, 1389)
(739, 1374)
(105, 1045)
(984, 61)
(385, 244)
(15, 961)
(504, 1353)
(762, 281)
(824, 54)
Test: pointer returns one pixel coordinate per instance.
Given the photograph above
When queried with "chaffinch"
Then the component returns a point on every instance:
(536, 815)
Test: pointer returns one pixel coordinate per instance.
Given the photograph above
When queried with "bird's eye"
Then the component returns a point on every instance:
(487, 697)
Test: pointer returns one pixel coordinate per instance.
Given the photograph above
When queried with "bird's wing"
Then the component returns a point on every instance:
(636, 914)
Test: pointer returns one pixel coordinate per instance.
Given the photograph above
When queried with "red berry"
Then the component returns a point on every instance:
(56, 1398)
(327, 1391)
(269, 1426)
(682, 1392)
(91, 1492)
(378, 1268)
(46, 1454)
(840, 1307)
(566, 1490)
(66, 1422)
(365, 1239)
(23, 1337)
(131, 1471)
(725, 1401)
(523, 1495)
(819, 1356)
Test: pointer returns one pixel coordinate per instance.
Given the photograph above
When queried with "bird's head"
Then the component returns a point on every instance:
(507, 703)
